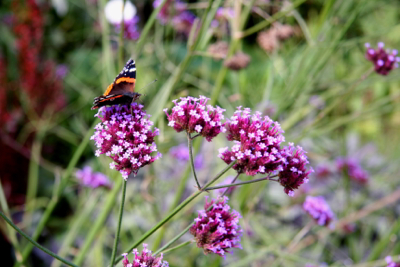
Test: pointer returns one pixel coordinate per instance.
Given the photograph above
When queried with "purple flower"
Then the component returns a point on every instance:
(353, 169)
(144, 259)
(90, 179)
(125, 135)
(384, 60)
(194, 116)
(391, 263)
(131, 30)
(225, 13)
(181, 153)
(216, 229)
(170, 8)
(294, 172)
(227, 181)
(61, 71)
(257, 143)
(317, 208)
(183, 22)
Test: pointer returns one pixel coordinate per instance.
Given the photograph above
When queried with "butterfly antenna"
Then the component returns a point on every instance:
(147, 85)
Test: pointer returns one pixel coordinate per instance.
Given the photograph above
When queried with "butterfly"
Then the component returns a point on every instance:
(122, 90)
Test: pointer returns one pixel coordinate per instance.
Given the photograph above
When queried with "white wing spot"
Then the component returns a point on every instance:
(132, 70)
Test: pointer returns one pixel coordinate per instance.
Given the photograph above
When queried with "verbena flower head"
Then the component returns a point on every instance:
(391, 263)
(183, 22)
(293, 171)
(317, 208)
(144, 259)
(131, 29)
(216, 229)
(181, 153)
(322, 171)
(126, 138)
(353, 169)
(256, 140)
(92, 179)
(194, 116)
(384, 60)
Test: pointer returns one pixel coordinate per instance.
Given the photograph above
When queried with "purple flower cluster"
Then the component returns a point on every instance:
(144, 259)
(293, 171)
(175, 11)
(353, 169)
(194, 116)
(257, 143)
(216, 229)
(92, 179)
(131, 29)
(322, 171)
(391, 263)
(384, 60)
(317, 208)
(125, 135)
(181, 153)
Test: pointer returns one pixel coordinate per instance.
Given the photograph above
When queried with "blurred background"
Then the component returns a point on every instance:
(302, 63)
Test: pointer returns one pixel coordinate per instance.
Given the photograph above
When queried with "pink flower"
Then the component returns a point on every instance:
(131, 30)
(194, 116)
(216, 229)
(391, 263)
(293, 172)
(257, 142)
(353, 169)
(144, 259)
(125, 135)
(90, 179)
(384, 61)
(317, 208)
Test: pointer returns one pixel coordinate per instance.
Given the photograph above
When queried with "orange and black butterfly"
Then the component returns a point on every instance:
(122, 90)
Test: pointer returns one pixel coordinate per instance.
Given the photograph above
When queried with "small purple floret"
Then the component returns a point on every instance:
(131, 29)
(384, 60)
(391, 263)
(294, 172)
(126, 138)
(144, 259)
(181, 153)
(92, 179)
(216, 229)
(353, 169)
(193, 115)
(319, 209)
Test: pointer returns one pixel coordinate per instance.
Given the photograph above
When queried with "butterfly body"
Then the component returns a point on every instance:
(122, 90)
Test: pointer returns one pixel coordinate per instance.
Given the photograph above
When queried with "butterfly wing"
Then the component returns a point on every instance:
(121, 89)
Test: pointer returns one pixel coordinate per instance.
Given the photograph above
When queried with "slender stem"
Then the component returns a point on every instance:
(233, 181)
(45, 250)
(197, 135)
(174, 212)
(121, 39)
(174, 239)
(99, 223)
(58, 192)
(241, 183)
(189, 138)
(121, 212)
(178, 246)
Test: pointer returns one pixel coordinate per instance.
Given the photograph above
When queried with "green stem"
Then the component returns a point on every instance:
(121, 212)
(58, 192)
(241, 183)
(99, 223)
(121, 39)
(173, 240)
(189, 138)
(178, 246)
(174, 212)
(34, 243)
